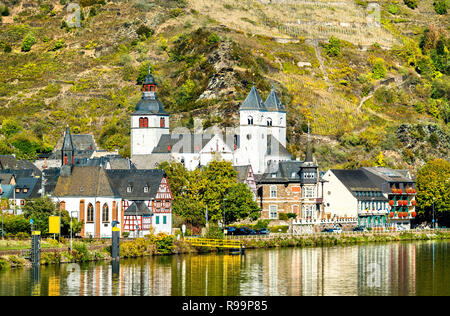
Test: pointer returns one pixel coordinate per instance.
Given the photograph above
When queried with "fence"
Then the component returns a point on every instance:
(345, 233)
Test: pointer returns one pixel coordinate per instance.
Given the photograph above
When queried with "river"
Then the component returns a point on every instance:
(393, 269)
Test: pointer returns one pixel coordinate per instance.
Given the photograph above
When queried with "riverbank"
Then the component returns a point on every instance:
(163, 244)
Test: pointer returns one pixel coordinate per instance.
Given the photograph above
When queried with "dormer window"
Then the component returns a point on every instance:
(25, 190)
(146, 189)
(17, 190)
(129, 188)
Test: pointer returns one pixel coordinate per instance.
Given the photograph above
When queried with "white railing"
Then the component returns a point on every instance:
(385, 231)
(316, 221)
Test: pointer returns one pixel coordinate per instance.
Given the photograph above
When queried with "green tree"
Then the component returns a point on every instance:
(333, 48)
(441, 6)
(39, 210)
(240, 204)
(433, 184)
(10, 127)
(28, 42)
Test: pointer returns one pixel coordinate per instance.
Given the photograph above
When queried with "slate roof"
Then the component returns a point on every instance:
(67, 142)
(283, 172)
(357, 180)
(9, 162)
(149, 104)
(388, 174)
(282, 151)
(187, 143)
(7, 191)
(138, 180)
(80, 142)
(31, 184)
(88, 181)
(242, 172)
(138, 208)
(273, 103)
(50, 177)
(253, 101)
(6, 178)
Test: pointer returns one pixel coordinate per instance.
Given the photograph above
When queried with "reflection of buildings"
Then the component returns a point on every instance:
(387, 269)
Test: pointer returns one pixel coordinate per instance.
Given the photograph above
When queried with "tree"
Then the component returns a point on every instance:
(28, 42)
(39, 211)
(240, 204)
(333, 48)
(433, 184)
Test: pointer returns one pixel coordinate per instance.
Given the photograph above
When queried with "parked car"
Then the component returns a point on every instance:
(264, 231)
(251, 231)
(337, 230)
(358, 229)
(230, 230)
(327, 230)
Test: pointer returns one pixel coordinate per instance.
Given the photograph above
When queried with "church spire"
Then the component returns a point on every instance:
(67, 150)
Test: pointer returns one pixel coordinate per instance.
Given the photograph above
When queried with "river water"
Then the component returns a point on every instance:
(403, 268)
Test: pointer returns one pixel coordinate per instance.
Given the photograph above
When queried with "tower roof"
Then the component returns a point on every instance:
(67, 143)
(273, 103)
(149, 103)
(253, 101)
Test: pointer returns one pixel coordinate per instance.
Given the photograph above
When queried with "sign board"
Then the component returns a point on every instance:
(53, 225)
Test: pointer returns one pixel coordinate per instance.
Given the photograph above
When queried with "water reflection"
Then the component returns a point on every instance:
(378, 269)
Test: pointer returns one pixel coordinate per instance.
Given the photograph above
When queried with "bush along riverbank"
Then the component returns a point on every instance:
(163, 244)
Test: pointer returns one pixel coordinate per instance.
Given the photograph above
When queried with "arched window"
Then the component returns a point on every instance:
(145, 122)
(141, 122)
(269, 121)
(66, 159)
(90, 213)
(250, 120)
(105, 213)
(162, 122)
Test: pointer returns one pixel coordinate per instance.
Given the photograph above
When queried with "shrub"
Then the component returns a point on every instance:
(144, 31)
(28, 42)
(283, 216)
(333, 48)
(411, 3)
(378, 69)
(441, 6)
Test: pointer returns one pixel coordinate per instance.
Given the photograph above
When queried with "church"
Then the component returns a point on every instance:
(258, 141)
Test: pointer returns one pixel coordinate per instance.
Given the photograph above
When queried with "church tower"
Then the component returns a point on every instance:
(67, 149)
(276, 117)
(149, 120)
(253, 133)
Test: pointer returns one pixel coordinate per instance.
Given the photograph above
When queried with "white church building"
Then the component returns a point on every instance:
(259, 141)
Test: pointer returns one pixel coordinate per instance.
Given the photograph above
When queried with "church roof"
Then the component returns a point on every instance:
(67, 142)
(185, 143)
(149, 104)
(253, 101)
(273, 103)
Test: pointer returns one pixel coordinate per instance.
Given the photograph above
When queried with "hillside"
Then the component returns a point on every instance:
(375, 90)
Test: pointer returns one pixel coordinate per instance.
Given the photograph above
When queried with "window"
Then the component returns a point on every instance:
(273, 191)
(25, 190)
(145, 122)
(105, 213)
(250, 120)
(309, 175)
(146, 189)
(164, 219)
(307, 210)
(273, 212)
(269, 121)
(162, 122)
(129, 188)
(90, 213)
(157, 219)
(141, 122)
(309, 192)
